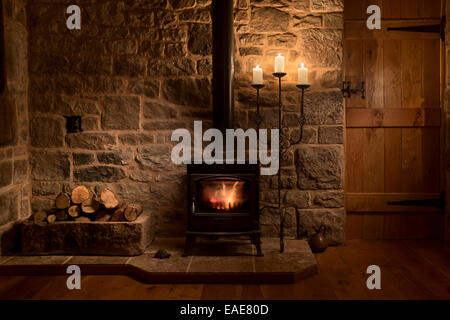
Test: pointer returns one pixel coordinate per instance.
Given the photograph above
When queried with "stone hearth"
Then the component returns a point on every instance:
(212, 262)
(89, 238)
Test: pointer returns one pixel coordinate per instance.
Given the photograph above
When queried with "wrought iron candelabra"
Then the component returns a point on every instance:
(285, 140)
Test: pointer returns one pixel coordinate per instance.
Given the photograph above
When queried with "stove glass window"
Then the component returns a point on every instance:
(222, 195)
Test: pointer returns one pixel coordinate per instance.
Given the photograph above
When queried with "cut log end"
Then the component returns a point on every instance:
(62, 201)
(90, 206)
(83, 219)
(80, 194)
(118, 214)
(132, 212)
(108, 199)
(74, 211)
(51, 218)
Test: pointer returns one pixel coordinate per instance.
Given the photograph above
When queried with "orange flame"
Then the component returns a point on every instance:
(223, 196)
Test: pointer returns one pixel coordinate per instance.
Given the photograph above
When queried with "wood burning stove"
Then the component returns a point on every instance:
(223, 200)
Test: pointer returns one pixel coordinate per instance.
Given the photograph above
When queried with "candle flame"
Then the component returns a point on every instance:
(302, 65)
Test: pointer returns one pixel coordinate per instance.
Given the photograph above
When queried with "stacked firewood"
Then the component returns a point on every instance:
(82, 206)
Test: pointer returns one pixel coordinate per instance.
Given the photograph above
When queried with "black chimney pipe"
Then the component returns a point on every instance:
(223, 64)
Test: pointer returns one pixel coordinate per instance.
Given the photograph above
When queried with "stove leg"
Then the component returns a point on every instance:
(190, 242)
(256, 240)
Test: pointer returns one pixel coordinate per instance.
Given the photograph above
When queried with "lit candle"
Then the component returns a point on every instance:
(279, 64)
(257, 75)
(302, 75)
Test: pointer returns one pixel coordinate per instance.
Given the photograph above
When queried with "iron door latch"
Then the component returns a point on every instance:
(347, 89)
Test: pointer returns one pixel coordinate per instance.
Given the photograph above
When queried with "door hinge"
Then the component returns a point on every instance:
(434, 203)
(434, 28)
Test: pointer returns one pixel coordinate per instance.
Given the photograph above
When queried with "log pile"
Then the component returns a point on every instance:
(83, 206)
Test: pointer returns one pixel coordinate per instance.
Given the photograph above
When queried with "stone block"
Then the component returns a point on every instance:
(200, 40)
(115, 157)
(134, 139)
(6, 173)
(332, 199)
(151, 49)
(156, 110)
(8, 122)
(324, 108)
(251, 39)
(70, 106)
(127, 46)
(286, 40)
(20, 171)
(164, 68)
(324, 47)
(204, 67)
(46, 132)
(250, 51)
(296, 198)
(195, 15)
(130, 66)
(181, 4)
(94, 65)
(302, 5)
(306, 22)
(49, 64)
(46, 188)
(9, 206)
(50, 165)
(98, 174)
(88, 238)
(327, 5)
(320, 167)
(155, 157)
(187, 92)
(136, 192)
(331, 135)
(121, 113)
(266, 19)
(148, 88)
(91, 141)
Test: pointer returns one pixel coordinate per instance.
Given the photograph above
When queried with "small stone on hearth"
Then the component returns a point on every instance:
(162, 254)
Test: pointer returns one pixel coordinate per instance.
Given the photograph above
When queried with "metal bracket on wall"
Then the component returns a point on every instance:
(73, 124)
(347, 89)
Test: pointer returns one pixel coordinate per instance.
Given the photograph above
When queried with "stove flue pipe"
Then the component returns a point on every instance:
(223, 64)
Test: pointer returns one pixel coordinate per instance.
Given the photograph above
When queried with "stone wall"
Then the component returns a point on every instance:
(310, 32)
(139, 69)
(14, 173)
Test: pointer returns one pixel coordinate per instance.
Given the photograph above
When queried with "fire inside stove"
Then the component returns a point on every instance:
(223, 194)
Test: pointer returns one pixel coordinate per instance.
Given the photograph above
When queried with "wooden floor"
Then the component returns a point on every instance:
(409, 270)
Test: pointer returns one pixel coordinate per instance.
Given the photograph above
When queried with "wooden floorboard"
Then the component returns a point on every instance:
(410, 270)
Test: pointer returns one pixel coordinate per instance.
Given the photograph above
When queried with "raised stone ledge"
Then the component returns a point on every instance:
(88, 238)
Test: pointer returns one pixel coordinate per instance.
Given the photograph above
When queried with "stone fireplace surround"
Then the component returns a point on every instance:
(151, 61)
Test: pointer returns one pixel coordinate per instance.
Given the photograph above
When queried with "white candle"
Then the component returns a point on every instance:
(279, 64)
(257, 75)
(302, 74)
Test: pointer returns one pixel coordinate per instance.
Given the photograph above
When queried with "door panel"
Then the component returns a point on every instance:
(393, 137)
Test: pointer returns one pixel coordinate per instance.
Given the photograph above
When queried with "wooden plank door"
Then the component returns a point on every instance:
(393, 137)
